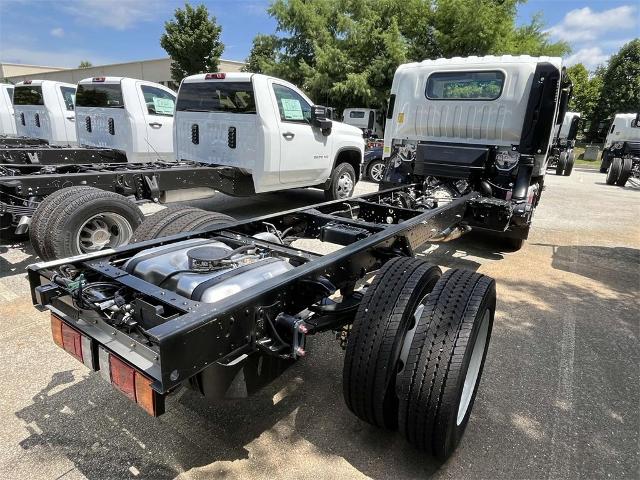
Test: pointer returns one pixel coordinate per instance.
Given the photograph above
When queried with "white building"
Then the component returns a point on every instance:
(157, 70)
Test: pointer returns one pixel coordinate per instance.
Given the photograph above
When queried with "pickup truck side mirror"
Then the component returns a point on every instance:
(319, 119)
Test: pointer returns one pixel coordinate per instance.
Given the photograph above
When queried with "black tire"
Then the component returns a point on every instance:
(614, 171)
(562, 163)
(431, 385)
(336, 189)
(371, 173)
(383, 318)
(605, 162)
(62, 234)
(625, 172)
(571, 160)
(44, 214)
(513, 244)
(178, 219)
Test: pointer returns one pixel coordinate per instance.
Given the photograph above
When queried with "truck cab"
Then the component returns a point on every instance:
(267, 130)
(44, 109)
(623, 137)
(126, 114)
(479, 123)
(561, 156)
(369, 120)
(7, 122)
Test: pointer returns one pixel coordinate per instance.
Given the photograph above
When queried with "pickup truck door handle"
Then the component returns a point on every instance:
(72, 119)
(288, 135)
(155, 124)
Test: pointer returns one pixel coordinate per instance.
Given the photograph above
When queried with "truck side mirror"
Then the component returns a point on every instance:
(636, 122)
(319, 119)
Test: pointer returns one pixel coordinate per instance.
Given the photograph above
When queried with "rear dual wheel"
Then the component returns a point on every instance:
(416, 351)
(613, 174)
(178, 219)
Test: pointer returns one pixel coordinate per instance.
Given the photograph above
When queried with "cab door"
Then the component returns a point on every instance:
(304, 150)
(158, 106)
(67, 101)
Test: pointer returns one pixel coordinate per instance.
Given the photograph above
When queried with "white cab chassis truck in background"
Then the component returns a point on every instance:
(369, 120)
(240, 134)
(561, 156)
(483, 124)
(44, 109)
(267, 131)
(621, 154)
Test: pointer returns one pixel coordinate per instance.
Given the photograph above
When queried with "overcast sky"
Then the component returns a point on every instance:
(64, 32)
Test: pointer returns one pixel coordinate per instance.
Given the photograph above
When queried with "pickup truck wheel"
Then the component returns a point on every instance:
(438, 384)
(342, 183)
(89, 220)
(44, 214)
(376, 171)
(178, 219)
(571, 160)
(562, 163)
(625, 172)
(614, 171)
(388, 310)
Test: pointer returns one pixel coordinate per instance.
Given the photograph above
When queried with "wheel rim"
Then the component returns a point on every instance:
(377, 171)
(471, 379)
(105, 230)
(344, 188)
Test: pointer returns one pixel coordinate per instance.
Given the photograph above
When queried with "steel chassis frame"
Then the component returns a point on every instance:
(195, 335)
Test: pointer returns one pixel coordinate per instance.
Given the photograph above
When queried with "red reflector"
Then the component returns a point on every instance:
(215, 76)
(122, 377)
(98, 79)
(72, 341)
(56, 330)
(27, 82)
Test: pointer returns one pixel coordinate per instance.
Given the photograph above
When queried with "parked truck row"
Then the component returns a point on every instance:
(240, 134)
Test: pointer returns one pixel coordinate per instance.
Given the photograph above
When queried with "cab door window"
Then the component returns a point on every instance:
(292, 107)
(158, 101)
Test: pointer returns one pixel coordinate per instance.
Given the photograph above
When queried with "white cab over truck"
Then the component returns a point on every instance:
(44, 109)
(621, 154)
(561, 156)
(7, 123)
(267, 130)
(485, 123)
(134, 116)
(369, 120)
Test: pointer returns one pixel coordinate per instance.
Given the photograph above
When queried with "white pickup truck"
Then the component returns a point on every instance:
(7, 123)
(267, 129)
(44, 109)
(134, 116)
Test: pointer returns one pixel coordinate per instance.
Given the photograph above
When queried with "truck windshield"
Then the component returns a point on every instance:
(104, 95)
(465, 85)
(226, 97)
(28, 95)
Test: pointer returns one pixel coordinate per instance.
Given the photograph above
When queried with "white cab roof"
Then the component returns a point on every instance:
(44, 82)
(484, 62)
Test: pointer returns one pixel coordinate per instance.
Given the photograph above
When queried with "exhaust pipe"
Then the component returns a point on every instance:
(23, 225)
(450, 233)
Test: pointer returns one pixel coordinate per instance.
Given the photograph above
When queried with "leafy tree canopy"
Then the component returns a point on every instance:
(85, 64)
(192, 40)
(345, 52)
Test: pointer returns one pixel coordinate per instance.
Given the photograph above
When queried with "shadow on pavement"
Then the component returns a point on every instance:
(15, 256)
(468, 251)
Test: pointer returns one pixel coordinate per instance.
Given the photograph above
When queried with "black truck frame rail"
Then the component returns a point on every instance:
(25, 153)
(190, 336)
(22, 186)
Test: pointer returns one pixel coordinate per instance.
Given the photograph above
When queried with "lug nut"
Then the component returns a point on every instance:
(300, 352)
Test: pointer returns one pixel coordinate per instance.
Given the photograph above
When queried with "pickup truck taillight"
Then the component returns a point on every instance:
(132, 383)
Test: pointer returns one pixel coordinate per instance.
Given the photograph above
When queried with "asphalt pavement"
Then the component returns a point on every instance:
(559, 397)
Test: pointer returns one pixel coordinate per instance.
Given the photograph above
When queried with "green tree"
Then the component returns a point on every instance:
(586, 91)
(192, 40)
(85, 64)
(263, 54)
(345, 52)
(621, 83)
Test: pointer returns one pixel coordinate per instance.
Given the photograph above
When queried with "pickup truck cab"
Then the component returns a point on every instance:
(126, 114)
(44, 109)
(267, 130)
(369, 120)
(7, 122)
